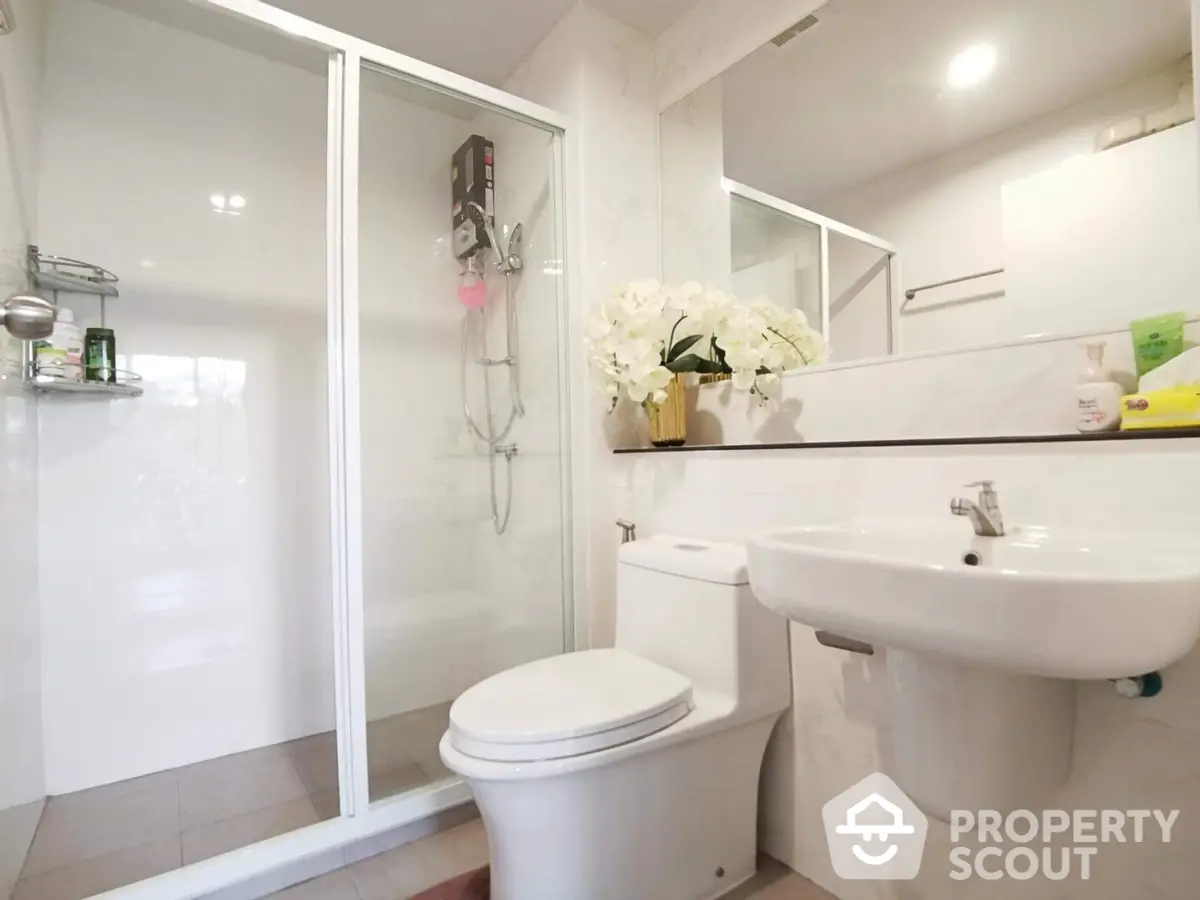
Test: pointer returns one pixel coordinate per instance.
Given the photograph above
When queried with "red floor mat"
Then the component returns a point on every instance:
(471, 886)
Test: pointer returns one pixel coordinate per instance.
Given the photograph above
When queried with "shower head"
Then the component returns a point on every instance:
(513, 255)
(510, 260)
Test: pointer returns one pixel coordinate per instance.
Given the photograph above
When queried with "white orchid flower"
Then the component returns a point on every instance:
(628, 336)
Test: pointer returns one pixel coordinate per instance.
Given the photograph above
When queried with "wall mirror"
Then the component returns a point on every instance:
(931, 175)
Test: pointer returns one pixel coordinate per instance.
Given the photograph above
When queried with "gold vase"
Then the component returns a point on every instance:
(668, 422)
(713, 379)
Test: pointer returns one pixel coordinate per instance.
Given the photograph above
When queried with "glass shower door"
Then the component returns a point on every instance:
(464, 569)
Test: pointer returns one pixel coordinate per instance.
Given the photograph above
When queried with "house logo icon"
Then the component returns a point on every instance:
(875, 832)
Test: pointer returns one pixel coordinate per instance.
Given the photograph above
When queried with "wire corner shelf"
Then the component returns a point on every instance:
(61, 274)
(125, 383)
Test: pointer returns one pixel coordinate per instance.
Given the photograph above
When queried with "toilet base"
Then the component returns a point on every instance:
(676, 823)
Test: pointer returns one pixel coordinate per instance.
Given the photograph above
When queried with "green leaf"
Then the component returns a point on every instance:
(682, 347)
(709, 367)
(689, 363)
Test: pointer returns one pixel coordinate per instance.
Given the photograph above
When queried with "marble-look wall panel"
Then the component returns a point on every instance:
(22, 778)
(601, 73)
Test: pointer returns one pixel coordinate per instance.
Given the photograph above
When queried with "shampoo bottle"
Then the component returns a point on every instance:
(68, 337)
(1098, 395)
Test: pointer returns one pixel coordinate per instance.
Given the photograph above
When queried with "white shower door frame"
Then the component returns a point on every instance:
(311, 851)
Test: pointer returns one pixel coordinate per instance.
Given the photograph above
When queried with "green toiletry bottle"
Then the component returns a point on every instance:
(100, 355)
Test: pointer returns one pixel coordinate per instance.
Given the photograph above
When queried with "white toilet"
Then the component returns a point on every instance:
(632, 773)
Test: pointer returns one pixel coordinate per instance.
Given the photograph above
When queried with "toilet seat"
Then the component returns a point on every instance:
(567, 706)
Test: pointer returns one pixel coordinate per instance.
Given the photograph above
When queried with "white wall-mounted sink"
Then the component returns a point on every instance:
(1049, 602)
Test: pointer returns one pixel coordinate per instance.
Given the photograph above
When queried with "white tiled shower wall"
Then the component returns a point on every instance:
(200, 510)
(184, 584)
(22, 778)
(601, 74)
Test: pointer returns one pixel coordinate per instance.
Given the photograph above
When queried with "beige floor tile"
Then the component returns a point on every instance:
(423, 730)
(456, 850)
(102, 873)
(316, 760)
(396, 780)
(395, 875)
(334, 886)
(327, 803)
(417, 734)
(435, 769)
(386, 744)
(241, 831)
(776, 881)
(93, 823)
(17, 827)
(235, 785)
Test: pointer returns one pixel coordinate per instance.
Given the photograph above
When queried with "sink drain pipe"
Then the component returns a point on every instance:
(1149, 685)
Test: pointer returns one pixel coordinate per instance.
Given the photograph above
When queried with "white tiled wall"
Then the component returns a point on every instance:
(601, 74)
(1129, 754)
(21, 773)
(183, 535)
(696, 209)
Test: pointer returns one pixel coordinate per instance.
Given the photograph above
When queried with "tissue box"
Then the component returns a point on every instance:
(1177, 407)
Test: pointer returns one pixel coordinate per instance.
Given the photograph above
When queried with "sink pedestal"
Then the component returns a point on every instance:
(967, 737)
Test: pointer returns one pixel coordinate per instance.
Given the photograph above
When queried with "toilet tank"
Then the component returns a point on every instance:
(686, 604)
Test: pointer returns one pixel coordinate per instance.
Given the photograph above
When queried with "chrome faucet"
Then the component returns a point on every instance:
(985, 514)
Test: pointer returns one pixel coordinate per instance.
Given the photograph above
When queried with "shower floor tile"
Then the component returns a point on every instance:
(402, 750)
(107, 837)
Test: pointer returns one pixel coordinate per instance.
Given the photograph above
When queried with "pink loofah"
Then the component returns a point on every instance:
(472, 292)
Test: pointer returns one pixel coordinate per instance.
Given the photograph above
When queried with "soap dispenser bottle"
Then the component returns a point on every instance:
(1098, 394)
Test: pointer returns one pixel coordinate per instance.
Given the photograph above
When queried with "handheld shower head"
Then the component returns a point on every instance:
(512, 256)
(508, 260)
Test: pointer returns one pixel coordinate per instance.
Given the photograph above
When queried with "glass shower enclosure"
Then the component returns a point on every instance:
(340, 492)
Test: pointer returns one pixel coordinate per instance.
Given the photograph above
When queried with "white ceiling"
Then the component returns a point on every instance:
(863, 92)
(483, 39)
(650, 17)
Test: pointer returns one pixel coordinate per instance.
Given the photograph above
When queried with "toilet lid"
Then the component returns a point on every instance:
(566, 706)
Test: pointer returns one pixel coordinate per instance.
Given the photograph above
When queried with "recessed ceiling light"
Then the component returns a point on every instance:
(971, 67)
(237, 201)
(217, 200)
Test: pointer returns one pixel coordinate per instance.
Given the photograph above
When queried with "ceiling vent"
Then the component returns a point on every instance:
(795, 31)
